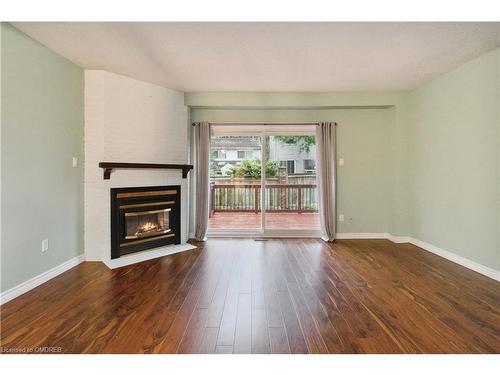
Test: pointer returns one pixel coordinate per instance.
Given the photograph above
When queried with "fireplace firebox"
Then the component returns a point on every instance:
(144, 218)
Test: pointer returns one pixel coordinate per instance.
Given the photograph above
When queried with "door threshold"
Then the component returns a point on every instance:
(220, 233)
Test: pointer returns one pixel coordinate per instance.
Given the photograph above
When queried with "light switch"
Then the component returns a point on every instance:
(341, 162)
(45, 244)
(75, 162)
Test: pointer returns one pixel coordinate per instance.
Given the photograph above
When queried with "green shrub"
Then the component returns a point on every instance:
(252, 168)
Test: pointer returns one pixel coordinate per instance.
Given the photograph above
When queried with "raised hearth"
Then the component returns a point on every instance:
(144, 218)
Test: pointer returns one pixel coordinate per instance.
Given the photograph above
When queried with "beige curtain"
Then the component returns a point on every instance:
(326, 175)
(202, 160)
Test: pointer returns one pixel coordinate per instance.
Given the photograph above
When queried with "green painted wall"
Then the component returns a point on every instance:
(290, 99)
(452, 164)
(402, 146)
(423, 164)
(42, 129)
(364, 142)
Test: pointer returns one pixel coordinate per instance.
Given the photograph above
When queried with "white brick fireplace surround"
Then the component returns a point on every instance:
(129, 121)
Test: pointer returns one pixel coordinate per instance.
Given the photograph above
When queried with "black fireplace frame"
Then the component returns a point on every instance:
(121, 197)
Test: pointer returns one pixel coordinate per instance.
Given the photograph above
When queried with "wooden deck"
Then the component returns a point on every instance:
(274, 220)
(278, 296)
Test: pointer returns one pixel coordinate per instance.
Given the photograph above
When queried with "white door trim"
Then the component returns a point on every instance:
(263, 131)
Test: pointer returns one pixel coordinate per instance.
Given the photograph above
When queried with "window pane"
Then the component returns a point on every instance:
(291, 191)
(235, 181)
(309, 165)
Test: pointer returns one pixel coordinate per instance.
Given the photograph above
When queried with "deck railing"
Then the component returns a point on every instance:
(247, 198)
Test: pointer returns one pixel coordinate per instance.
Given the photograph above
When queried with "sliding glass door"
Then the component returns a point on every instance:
(290, 183)
(235, 182)
(263, 182)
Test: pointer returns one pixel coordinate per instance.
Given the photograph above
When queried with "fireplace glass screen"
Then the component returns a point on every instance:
(146, 223)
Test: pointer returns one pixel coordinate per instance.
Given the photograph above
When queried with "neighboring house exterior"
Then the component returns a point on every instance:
(295, 160)
(229, 151)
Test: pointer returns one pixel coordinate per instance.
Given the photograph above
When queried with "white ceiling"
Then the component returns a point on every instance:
(270, 56)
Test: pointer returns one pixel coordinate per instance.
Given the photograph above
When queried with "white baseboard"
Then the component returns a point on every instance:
(486, 271)
(40, 279)
(147, 255)
(474, 266)
(360, 236)
(399, 239)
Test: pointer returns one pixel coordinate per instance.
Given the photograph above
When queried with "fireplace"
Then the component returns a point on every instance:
(144, 218)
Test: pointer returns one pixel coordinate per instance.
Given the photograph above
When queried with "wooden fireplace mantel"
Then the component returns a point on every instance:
(109, 166)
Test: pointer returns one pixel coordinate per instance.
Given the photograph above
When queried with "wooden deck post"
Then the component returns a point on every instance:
(212, 201)
(299, 199)
(256, 199)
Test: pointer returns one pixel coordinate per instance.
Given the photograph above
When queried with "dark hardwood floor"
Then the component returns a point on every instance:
(279, 296)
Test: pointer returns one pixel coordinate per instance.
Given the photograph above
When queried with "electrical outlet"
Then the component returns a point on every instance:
(341, 162)
(341, 217)
(45, 244)
(75, 162)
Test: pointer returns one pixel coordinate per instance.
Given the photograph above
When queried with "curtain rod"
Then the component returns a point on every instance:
(263, 123)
